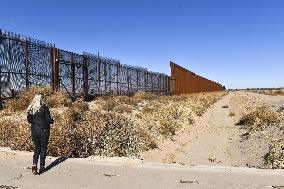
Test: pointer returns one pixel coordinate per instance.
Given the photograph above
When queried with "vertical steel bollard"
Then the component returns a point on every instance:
(158, 89)
(145, 80)
(137, 82)
(73, 74)
(127, 78)
(117, 84)
(1, 102)
(99, 73)
(54, 69)
(27, 63)
(152, 84)
(105, 76)
(85, 77)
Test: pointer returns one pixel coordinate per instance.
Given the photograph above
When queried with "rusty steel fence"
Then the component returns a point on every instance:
(28, 62)
(185, 82)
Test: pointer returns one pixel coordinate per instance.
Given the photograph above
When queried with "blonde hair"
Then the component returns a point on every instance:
(36, 104)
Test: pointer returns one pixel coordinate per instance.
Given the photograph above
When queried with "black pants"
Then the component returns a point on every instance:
(40, 139)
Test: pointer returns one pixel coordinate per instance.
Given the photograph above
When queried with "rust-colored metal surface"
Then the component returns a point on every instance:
(185, 82)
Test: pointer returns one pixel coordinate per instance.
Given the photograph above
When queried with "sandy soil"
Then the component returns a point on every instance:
(215, 138)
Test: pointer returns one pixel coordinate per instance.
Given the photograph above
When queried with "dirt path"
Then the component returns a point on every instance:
(214, 139)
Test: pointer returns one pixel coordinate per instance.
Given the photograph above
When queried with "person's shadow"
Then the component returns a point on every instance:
(55, 163)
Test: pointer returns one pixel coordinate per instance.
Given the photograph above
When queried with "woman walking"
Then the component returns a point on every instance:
(39, 117)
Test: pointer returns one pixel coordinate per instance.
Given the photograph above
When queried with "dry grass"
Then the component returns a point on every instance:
(274, 159)
(108, 126)
(261, 116)
(231, 114)
(272, 92)
(57, 99)
(171, 158)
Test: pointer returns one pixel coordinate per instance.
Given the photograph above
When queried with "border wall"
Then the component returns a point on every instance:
(185, 82)
(28, 62)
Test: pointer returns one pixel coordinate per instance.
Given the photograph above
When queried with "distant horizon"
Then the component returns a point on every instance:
(238, 43)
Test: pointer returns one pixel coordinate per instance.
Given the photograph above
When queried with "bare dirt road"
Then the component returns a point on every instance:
(215, 138)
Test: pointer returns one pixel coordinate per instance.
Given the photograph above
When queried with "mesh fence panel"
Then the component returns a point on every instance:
(25, 61)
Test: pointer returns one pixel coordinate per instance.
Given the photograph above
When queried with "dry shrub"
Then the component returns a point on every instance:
(123, 108)
(231, 114)
(78, 132)
(98, 133)
(272, 92)
(280, 110)
(278, 92)
(261, 116)
(118, 126)
(179, 98)
(25, 97)
(147, 140)
(110, 103)
(274, 159)
(145, 96)
(15, 135)
(168, 127)
(201, 101)
(116, 135)
(56, 99)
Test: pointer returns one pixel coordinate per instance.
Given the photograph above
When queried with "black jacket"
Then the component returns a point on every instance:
(41, 119)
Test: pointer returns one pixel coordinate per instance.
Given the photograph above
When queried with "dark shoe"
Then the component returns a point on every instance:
(34, 170)
(41, 170)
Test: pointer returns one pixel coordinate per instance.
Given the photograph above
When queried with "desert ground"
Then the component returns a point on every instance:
(216, 138)
(232, 139)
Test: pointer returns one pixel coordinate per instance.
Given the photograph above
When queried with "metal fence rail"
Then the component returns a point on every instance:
(27, 62)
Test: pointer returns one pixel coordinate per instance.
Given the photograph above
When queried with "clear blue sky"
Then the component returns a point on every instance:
(238, 43)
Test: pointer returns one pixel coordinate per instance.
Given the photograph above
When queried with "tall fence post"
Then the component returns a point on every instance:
(165, 84)
(54, 69)
(1, 102)
(85, 76)
(137, 79)
(169, 85)
(105, 75)
(130, 80)
(152, 84)
(127, 79)
(109, 64)
(158, 84)
(145, 80)
(99, 73)
(73, 80)
(27, 63)
(117, 84)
